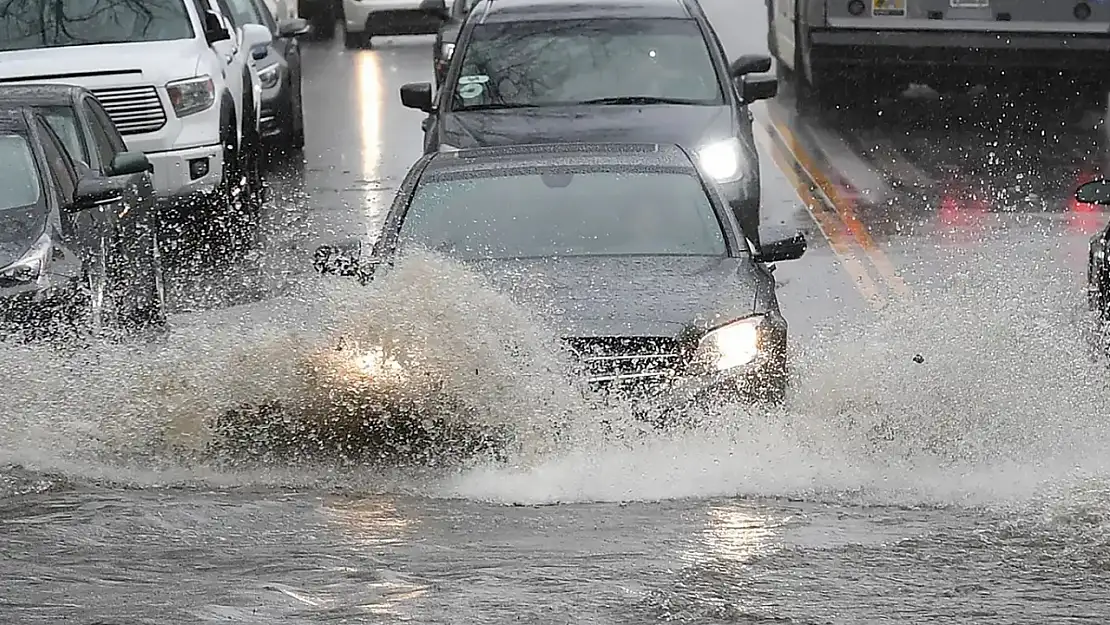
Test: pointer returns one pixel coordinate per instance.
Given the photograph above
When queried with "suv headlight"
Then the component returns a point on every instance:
(32, 264)
(732, 345)
(269, 76)
(723, 161)
(192, 95)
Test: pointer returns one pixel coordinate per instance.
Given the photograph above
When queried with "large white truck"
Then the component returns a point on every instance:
(175, 76)
(837, 48)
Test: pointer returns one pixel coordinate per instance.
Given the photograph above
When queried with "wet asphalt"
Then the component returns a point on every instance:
(967, 485)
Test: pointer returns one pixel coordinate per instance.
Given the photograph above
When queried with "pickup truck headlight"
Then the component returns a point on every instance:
(270, 76)
(32, 264)
(192, 95)
(723, 161)
(732, 345)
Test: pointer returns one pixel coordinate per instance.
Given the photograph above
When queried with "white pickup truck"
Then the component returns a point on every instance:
(175, 76)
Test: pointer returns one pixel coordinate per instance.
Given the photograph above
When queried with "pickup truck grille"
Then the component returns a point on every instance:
(627, 362)
(134, 110)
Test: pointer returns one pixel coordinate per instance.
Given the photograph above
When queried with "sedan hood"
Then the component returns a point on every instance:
(684, 125)
(627, 296)
(19, 229)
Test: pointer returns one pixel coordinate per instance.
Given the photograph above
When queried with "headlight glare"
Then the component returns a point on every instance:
(722, 160)
(734, 345)
(443, 147)
(448, 49)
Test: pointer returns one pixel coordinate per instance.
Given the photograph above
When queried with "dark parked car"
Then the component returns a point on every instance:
(448, 33)
(537, 71)
(626, 250)
(279, 70)
(78, 233)
(321, 15)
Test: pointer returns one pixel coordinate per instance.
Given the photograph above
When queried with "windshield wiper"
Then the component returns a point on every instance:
(639, 99)
(494, 107)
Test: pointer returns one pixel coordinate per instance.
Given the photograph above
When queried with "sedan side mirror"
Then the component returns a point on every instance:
(417, 95)
(754, 88)
(294, 27)
(129, 163)
(1094, 192)
(749, 64)
(435, 8)
(790, 248)
(93, 192)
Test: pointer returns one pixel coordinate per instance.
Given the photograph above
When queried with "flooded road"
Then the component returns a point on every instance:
(942, 458)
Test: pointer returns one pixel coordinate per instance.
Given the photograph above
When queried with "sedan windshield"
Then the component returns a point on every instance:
(565, 214)
(550, 63)
(19, 177)
(32, 24)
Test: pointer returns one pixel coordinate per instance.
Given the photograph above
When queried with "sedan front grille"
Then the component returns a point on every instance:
(134, 110)
(627, 361)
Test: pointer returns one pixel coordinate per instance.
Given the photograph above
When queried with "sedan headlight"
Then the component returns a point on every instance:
(723, 161)
(733, 345)
(33, 262)
(269, 76)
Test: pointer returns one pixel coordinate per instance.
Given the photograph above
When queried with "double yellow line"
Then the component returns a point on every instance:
(869, 267)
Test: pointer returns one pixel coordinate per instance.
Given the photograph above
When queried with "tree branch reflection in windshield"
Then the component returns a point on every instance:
(547, 63)
(31, 24)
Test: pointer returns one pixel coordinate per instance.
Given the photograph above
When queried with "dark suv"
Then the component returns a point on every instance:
(638, 71)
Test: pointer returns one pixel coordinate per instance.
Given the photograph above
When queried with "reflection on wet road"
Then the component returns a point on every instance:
(942, 458)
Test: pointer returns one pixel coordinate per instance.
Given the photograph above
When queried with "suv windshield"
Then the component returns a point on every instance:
(565, 214)
(31, 24)
(19, 178)
(549, 63)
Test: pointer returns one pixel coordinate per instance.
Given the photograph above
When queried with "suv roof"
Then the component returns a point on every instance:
(537, 10)
(647, 155)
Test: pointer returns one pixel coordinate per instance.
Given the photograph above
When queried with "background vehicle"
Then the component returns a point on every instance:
(448, 33)
(64, 247)
(279, 72)
(174, 75)
(842, 48)
(364, 20)
(537, 71)
(321, 15)
(1098, 250)
(283, 9)
(631, 252)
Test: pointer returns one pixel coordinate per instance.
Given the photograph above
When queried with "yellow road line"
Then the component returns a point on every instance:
(840, 240)
(828, 192)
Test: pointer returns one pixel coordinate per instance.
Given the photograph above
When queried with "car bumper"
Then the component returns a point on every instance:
(388, 17)
(902, 48)
(184, 174)
(27, 306)
(276, 107)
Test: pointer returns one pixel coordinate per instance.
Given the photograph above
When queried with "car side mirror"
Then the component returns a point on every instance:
(417, 95)
(344, 259)
(435, 8)
(294, 27)
(749, 64)
(129, 163)
(789, 248)
(1094, 192)
(754, 88)
(214, 29)
(93, 192)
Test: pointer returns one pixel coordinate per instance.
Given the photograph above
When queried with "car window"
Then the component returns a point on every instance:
(61, 168)
(63, 120)
(103, 142)
(18, 175)
(32, 24)
(558, 63)
(228, 13)
(105, 120)
(564, 214)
